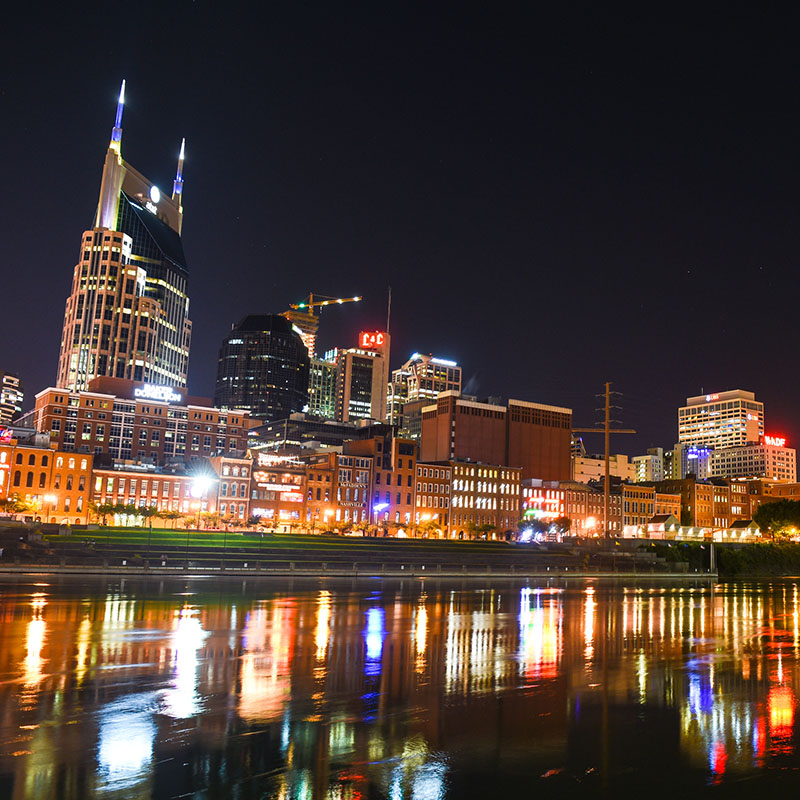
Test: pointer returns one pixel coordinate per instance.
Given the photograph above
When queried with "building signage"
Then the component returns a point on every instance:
(711, 397)
(371, 340)
(775, 441)
(5, 435)
(166, 394)
(270, 460)
(291, 497)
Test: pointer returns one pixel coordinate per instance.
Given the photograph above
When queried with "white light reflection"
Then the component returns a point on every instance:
(126, 737)
(182, 700)
(323, 624)
(589, 608)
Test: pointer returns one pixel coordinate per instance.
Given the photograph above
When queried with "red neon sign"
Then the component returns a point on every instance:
(775, 441)
(5, 435)
(371, 340)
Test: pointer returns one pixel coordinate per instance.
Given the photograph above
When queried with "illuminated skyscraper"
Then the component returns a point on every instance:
(724, 419)
(11, 397)
(362, 375)
(128, 312)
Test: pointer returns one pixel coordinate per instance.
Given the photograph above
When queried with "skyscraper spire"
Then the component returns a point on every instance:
(116, 131)
(177, 186)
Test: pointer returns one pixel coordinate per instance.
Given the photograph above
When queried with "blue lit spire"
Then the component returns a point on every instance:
(177, 186)
(116, 132)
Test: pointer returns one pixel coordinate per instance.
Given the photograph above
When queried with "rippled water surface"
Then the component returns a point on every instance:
(396, 690)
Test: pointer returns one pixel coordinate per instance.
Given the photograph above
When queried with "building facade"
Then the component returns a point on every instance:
(11, 398)
(485, 500)
(421, 378)
(770, 459)
(532, 437)
(362, 377)
(432, 499)
(723, 419)
(125, 420)
(593, 468)
(127, 315)
(263, 367)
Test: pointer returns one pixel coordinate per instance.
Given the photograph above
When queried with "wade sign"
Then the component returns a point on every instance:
(775, 441)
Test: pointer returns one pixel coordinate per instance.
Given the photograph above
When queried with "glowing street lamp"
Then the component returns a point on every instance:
(50, 500)
(376, 509)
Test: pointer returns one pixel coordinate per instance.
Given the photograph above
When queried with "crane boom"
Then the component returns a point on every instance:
(309, 304)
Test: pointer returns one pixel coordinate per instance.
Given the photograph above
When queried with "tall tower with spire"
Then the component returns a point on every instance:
(127, 315)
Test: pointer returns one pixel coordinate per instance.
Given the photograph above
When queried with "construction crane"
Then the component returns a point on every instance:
(305, 316)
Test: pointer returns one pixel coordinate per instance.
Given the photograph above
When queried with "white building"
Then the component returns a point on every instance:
(593, 468)
(723, 419)
(769, 460)
(650, 467)
(422, 377)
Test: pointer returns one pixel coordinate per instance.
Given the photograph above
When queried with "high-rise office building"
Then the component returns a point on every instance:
(11, 397)
(361, 378)
(263, 367)
(422, 377)
(322, 386)
(723, 419)
(127, 315)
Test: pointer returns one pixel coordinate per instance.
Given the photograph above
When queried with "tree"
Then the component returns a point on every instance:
(781, 518)
(562, 525)
(429, 527)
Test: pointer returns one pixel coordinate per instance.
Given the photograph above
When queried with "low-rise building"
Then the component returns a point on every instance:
(432, 498)
(485, 499)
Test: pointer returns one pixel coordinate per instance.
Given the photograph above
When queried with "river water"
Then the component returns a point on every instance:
(414, 689)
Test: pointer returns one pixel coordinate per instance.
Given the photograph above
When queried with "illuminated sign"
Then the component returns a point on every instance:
(775, 441)
(270, 460)
(710, 397)
(371, 340)
(166, 394)
(262, 512)
(5, 435)
(291, 497)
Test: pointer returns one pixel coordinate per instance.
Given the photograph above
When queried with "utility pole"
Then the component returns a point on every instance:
(607, 431)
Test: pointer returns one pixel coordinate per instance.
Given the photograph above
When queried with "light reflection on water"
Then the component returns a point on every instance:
(401, 690)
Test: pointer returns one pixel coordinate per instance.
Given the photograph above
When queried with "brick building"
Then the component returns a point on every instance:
(125, 420)
(532, 437)
(432, 497)
(483, 495)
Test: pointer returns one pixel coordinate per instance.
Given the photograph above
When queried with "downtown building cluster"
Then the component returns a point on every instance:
(295, 440)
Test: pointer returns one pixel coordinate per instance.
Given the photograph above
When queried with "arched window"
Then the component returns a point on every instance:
(29, 479)
(17, 477)
(45, 460)
(59, 462)
(31, 459)
(69, 482)
(42, 480)
(19, 458)
(83, 463)
(72, 463)
(3, 457)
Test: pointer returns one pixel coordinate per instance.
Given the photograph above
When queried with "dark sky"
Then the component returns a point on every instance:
(557, 197)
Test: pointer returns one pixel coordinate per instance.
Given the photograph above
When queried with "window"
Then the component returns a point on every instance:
(29, 479)
(17, 477)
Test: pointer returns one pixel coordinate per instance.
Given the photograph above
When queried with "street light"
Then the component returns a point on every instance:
(50, 500)
(376, 509)
(199, 488)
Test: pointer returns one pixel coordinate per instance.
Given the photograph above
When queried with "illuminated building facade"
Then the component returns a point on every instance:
(339, 491)
(393, 484)
(263, 368)
(484, 496)
(278, 491)
(127, 315)
(770, 459)
(322, 388)
(649, 467)
(303, 431)
(422, 377)
(593, 468)
(361, 378)
(724, 419)
(432, 499)
(533, 437)
(11, 397)
(54, 482)
(127, 420)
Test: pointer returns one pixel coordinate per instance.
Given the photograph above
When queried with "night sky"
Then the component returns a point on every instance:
(557, 197)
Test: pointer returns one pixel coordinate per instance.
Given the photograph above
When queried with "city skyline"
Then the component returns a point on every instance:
(467, 180)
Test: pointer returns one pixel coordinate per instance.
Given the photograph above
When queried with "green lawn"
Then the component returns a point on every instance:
(121, 537)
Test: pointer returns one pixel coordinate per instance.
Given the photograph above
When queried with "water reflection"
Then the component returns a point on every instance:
(398, 690)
